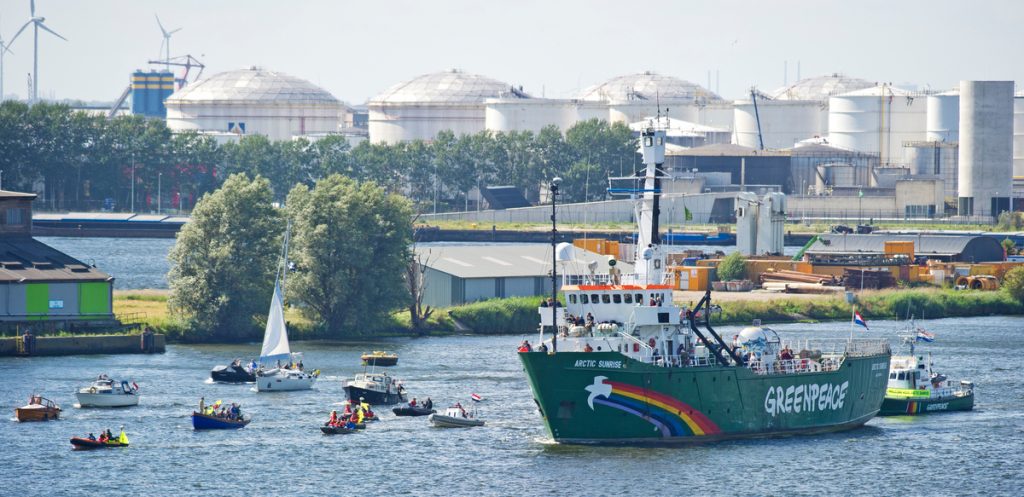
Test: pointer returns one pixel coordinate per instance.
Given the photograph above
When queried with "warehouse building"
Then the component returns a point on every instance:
(949, 248)
(40, 285)
(469, 273)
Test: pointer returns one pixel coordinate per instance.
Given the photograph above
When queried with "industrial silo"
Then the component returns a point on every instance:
(782, 122)
(877, 120)
(943, 117)
(937, 160)
(820, 89)
(1018, 135)
(986, 147)
(420, 108)
(633, 97)
(149, 91)
(254, 101)
(533, 114)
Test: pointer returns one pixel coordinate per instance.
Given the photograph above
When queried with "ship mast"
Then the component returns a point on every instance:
(650, 258)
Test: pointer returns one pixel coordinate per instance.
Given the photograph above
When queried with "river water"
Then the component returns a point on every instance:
(283, 452)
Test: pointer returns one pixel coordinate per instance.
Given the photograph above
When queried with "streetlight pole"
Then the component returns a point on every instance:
(159, 177)
(131, 208)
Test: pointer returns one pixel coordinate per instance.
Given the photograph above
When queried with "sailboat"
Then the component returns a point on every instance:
(288, 375)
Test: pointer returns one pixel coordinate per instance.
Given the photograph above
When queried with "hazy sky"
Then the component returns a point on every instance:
(357, 49)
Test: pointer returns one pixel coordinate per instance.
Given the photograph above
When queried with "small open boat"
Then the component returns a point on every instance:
(38, 409)
(207, 422)
(79, 443)
(338, 430)
(413, 411)
(380, 358)
(455, 417)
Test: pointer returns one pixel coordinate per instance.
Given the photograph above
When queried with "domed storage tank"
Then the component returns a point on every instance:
(633, 97)
(877, 120)
(420, 108)
(783, 122)
(943, 121)
(820, 88)
(254, 101)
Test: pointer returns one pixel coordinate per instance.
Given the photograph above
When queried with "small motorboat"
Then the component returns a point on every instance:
(233, 373)
(413, 411)
(38, 409)
(455, 417)
(81, 443)
(208, 422)
(379, 358)
(107, 392)
(339, 430)
(375, 389)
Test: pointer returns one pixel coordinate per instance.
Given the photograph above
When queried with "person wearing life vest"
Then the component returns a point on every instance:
(412, 403)
(363, 404)
(525, 346)
(348, 410)
(334, 419)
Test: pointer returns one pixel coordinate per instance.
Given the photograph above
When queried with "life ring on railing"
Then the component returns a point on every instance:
(636, 347)
(92, 389)
(652, 343)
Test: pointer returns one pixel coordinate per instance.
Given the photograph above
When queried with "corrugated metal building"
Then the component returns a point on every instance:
(39, 283)
(951, 248)
(456, 274)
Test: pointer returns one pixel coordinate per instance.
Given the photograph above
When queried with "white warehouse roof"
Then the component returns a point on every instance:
(507, 260)
(252, 85)
(647, 85)
(451, 86)
(821, 87)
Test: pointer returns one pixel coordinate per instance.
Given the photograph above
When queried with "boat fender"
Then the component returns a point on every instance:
(652, 343)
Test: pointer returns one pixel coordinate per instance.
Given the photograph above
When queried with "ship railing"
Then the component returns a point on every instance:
(867, 347)
(611, 279)
(794, 366)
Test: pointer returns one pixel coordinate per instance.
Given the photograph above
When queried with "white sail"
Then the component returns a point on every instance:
(275, 338)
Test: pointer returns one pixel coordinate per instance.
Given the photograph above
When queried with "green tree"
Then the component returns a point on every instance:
(1013, 283)
(223, 261)
(350, 245)
(732, 267)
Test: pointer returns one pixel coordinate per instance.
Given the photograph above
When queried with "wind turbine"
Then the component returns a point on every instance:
(36, 22)
(165, 46)
(3, 50)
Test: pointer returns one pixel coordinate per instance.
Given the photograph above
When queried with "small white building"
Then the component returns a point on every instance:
(254, 101)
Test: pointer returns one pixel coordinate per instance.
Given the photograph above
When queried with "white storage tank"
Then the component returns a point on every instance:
(420, 108)
(1018, 135)
(254, 101)
(943, 122)
(533, 114)
(986, 147)
(877, 120)
(935, 159)
(820, 88)
(632, 97)
(783, 122)
(716, 113)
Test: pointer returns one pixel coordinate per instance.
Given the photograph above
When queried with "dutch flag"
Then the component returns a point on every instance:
(858, 320)
(476, 397)
(924, 336)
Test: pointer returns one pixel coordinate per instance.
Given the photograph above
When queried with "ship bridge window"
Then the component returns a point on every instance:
(605, 298)
(617, 298)
(584, 299)
(639, 298)
(629, 298)
(572, 298)
(594, 298)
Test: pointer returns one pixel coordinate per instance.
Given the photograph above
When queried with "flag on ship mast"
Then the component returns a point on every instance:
(858, 320)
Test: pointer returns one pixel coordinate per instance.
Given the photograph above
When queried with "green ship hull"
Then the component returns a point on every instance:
(607, 397)
(895, 406)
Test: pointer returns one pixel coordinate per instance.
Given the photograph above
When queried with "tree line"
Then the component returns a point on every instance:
(349, 248)
(128, 163)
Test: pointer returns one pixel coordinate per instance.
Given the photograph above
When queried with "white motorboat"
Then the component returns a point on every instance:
(455, 417)
(281, 377)
(106, 392)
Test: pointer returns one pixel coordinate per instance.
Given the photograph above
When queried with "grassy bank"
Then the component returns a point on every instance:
(519, 314)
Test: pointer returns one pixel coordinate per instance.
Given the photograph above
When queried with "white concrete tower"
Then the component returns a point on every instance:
(986, 147)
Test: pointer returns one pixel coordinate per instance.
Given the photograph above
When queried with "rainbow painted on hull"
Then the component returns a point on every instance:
(670, 416)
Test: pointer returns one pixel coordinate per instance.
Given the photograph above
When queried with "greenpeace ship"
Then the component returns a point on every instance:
(642, 371)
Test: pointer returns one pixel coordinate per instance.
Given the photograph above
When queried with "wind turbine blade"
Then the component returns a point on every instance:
(32, 7)
(6, 48)
(175, 31)
(41, 25)
(162, 30)
(162, 46)
(18, 33)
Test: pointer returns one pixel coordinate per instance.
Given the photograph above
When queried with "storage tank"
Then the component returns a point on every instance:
(149, 91)
(632, 97)
(716, 113)
(1018, 135)
(935, 159)
(254, 101)
(783, 122)
(420, 108)
(533, 114)
(986, 147)
(820, 88)
(943, 121)
(877, 120)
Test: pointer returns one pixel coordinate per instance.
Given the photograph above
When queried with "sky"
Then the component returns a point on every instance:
(554, 48)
